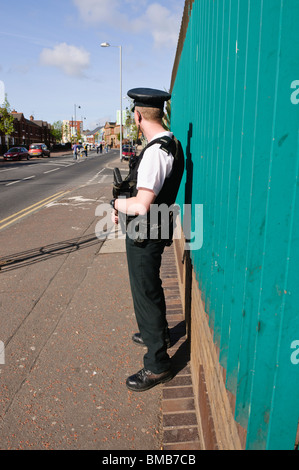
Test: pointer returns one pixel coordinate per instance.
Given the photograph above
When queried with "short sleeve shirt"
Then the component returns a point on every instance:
(155, 166)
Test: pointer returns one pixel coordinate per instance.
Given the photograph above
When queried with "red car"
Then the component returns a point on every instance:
(128, 152)
(39, 150)
(16, 153)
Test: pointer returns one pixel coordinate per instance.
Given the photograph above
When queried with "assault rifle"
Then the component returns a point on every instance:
(117, 182)
(121, 187)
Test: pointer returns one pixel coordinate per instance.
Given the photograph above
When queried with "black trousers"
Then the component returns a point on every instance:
(144, 262)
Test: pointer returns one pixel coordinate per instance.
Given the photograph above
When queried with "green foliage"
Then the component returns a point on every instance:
(6, 119)
(56, 130)
(130, 124)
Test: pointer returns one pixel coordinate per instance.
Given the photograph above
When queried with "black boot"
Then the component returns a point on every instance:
(145, 379)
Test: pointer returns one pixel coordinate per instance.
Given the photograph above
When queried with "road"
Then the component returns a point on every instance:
(28, 185)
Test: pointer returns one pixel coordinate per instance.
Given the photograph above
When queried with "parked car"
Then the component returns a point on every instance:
(16, 153)
(128, 152)
(39, 150)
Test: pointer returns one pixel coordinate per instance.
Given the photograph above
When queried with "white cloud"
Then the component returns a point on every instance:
(162, 23)
(95, 11)
(71, 60)
(156, 20)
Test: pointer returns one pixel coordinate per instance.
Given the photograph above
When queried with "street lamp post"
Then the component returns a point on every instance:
(76, 129)
(106, 44)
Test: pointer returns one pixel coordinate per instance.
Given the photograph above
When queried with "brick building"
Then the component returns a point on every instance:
(111, 134)
(26, 132)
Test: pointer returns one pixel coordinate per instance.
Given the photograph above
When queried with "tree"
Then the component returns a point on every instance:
(57, 130)
(6, 119)
(131, 125)
(66, 133)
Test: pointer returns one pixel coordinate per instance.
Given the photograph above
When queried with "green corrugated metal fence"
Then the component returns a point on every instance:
(235, 107)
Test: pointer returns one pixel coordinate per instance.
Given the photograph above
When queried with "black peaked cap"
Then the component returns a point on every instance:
(148, 97)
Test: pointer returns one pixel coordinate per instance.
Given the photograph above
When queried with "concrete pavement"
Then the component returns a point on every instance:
(66, 321)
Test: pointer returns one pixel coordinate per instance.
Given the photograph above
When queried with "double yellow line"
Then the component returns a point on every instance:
(28, 210)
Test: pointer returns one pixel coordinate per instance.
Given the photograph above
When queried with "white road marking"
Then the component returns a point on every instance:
(10, 169)
(49, 171)
(18, 181)
(28, 178)
(14, 182)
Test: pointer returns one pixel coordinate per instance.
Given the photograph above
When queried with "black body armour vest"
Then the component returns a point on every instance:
(150, 226)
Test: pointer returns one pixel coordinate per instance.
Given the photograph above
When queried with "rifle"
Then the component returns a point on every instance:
(117, 182)
(121, 187)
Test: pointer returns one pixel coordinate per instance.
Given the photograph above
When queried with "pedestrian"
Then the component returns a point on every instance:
(75, 151)
(79, 148)
(156, 177)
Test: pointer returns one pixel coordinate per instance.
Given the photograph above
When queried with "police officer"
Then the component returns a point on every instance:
(156, 177)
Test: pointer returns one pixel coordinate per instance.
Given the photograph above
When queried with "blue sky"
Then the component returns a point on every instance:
(51, 59)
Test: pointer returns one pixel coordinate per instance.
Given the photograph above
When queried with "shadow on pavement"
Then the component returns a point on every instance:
(181, 356)
(43, 253)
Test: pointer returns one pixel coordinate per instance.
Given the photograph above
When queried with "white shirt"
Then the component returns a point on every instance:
(155, 166)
